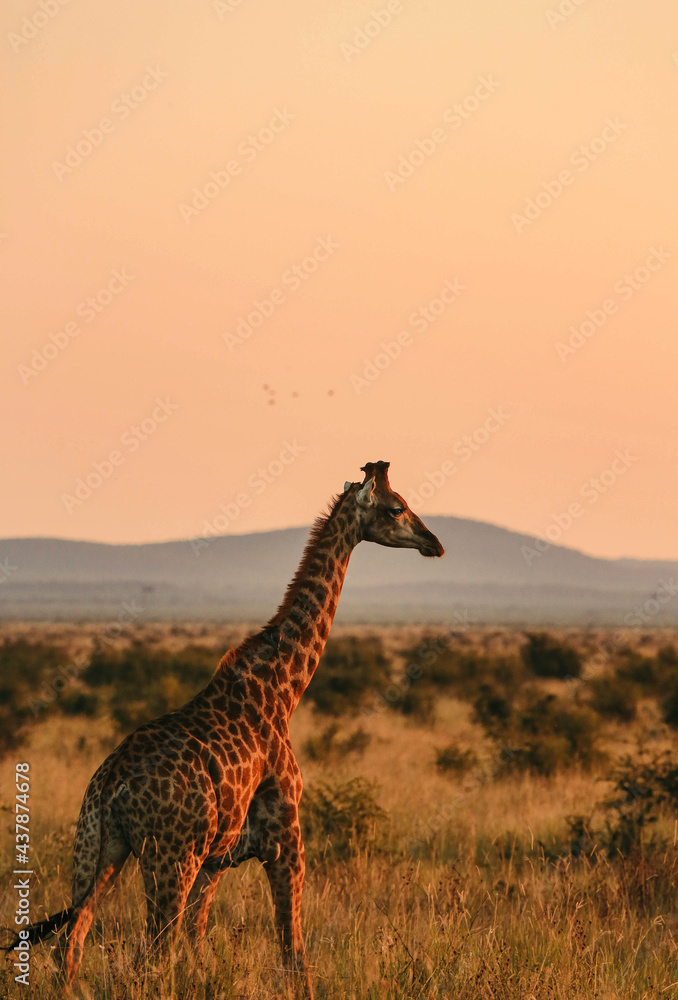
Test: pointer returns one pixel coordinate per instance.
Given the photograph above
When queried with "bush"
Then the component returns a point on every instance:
(546, 656)
(356, 742)
(643, 787)
(434, 667)
(80, 703)
(452, 758)
(437, 665)
(538, 732)
(350, 672)
(339, 819)
(24, 667)
(493, 710)
(139, 666)
(144, 682)
(324, 746)
(418, 703)
(557, 737)
(321, 747)
(640, 670)
(614, 697)
(669, 707)
(667, 659)
(666, 684)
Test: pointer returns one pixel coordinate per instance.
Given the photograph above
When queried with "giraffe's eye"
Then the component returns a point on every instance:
(396, 511)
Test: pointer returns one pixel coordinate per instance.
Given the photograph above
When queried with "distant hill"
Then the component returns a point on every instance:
(484, 576)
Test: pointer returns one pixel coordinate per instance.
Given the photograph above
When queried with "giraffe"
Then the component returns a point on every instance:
(215, 783)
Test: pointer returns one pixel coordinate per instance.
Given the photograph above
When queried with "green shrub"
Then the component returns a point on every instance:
(580, 836)
(25, 669)
(325, 746)
(435, 667)
(644, 786)
(667, 659)
(321, 747)
(556, 736)
(493, 710)
(669, 706)
(538, 732)
(340, 818)
(79, 703)
(614, 697)
(663, 674)
(640, 670)
(438, 665)
(144, 682)
(546, 656)
(418, 703)
(350, 673)
(544, 754)
(452, 758)
(356, 742)
(140, 665)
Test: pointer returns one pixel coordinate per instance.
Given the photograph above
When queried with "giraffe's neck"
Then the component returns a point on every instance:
(305, 616)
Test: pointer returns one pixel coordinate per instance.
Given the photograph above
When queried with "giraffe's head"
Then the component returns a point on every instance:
(385, 517)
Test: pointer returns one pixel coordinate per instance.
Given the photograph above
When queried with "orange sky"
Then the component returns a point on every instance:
(331, 177)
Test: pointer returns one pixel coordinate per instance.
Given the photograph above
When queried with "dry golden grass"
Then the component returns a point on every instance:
(469, 889)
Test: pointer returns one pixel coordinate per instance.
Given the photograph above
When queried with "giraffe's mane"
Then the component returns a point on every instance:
(253, 641)
(316, 531)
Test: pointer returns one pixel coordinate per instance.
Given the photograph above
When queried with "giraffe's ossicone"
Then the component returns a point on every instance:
(215, 783)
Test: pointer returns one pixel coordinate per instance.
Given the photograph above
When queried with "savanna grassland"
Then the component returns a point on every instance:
(488, 813)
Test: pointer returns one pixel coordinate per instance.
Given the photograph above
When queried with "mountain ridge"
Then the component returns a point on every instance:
(485, 566)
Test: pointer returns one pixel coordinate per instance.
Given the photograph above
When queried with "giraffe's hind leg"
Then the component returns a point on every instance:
(198, 907)
(254, 841)
(81, 921)
(167, 886)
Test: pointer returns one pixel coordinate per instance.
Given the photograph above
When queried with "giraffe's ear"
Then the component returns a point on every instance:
(347, 485)
(366, 495)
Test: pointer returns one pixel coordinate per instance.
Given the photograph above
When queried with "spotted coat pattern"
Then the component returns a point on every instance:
(216, 782)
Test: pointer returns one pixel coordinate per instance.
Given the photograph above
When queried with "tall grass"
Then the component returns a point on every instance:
(472, 882)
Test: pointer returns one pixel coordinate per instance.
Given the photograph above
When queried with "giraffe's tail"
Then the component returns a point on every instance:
(37, 932)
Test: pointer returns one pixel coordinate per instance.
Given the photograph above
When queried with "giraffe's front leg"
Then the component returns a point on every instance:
(286, 878)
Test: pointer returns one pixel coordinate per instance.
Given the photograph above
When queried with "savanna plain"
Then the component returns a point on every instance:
(488, 812)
